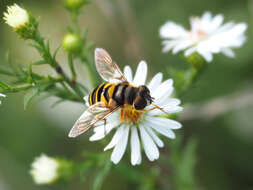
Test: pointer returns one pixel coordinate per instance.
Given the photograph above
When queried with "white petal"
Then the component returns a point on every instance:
(157, 140)
(207, 16)
(206, 55)
(155, 82)
(120, 147)
(183, 44)
(86, 100)
(128, 73)
(2, 95)
(189, 51)
(135, 147)
(172, 30)
(160, 129)
(102, 131)
(172, 102)
(217, 21)
(141, 74)
(169, 44)
(162, 89)
(228, 52)
(164, 122)
(169, 105)
(167, 109)
(117, 136)
(149, 146)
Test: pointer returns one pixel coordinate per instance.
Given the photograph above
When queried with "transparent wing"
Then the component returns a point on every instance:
(89, 118)
(106, 67)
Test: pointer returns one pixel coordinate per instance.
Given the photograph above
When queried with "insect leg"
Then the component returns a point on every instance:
(157, 107)
(104, 126)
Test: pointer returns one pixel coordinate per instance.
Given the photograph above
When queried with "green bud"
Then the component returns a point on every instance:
(72, 43)
(74, 4)
(196, 60)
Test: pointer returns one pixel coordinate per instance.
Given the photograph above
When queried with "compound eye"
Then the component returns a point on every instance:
(140, 103)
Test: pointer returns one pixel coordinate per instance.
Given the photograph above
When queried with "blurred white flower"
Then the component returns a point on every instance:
(44, 170)
(142, 126)
(207, 36)
(2, 95)
(16, 16)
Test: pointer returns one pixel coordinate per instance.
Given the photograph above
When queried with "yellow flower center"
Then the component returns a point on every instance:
(130, 115)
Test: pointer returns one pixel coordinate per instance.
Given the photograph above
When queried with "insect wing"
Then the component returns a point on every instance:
(108, 70)
(89, 118)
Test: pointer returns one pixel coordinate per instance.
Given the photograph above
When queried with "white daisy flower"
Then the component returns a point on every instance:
(44, 170)
(16, 17)
(2, 95)
(207, 36)
(138, 126)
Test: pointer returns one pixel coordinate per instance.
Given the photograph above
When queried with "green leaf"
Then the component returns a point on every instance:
(29, 96)
(41, 62)
(37, 46)
(188, 163)
(55, 52)
(57, 103)
(130, 173)
(4, 86)
(101, 175)
(183, 162)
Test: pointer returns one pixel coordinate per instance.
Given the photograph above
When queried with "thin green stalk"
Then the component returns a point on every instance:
(45, 53)
(72, 68)
(11, 89)
(5, 72)
(92, 74)
(74, 17)
(196, 68)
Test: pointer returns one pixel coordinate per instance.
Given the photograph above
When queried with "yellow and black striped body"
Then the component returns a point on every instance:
(121, 93)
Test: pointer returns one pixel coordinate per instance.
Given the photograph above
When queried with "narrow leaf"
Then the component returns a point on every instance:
(101, 175)
(4, 86)
(29, 96)
(41, 62)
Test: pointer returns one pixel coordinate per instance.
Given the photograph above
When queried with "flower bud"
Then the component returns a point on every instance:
(196, 60)
(74, 4)
(72, 43)
(45, 170)
(48, 170)
(20, 21)
(16, 17)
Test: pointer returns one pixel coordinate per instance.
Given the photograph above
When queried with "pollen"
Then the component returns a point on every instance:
(130, 115)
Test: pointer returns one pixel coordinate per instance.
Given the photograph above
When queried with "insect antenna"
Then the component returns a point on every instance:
(157, 107)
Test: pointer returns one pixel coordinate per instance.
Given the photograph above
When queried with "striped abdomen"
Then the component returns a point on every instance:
(122, 93)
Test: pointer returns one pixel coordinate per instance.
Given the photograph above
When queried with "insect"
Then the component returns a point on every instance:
(111, 96)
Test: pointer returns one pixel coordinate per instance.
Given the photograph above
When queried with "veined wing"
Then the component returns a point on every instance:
(106, 67)
(90, 117)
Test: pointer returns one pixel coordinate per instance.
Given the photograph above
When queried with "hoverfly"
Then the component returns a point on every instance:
(111, 96)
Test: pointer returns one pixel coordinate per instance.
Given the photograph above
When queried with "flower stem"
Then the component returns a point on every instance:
(196, 67)
(45, 53)
(72, 68)
(92, 74)
(74, 17)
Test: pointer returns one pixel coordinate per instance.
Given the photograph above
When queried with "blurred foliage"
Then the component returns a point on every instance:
(129, 30)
